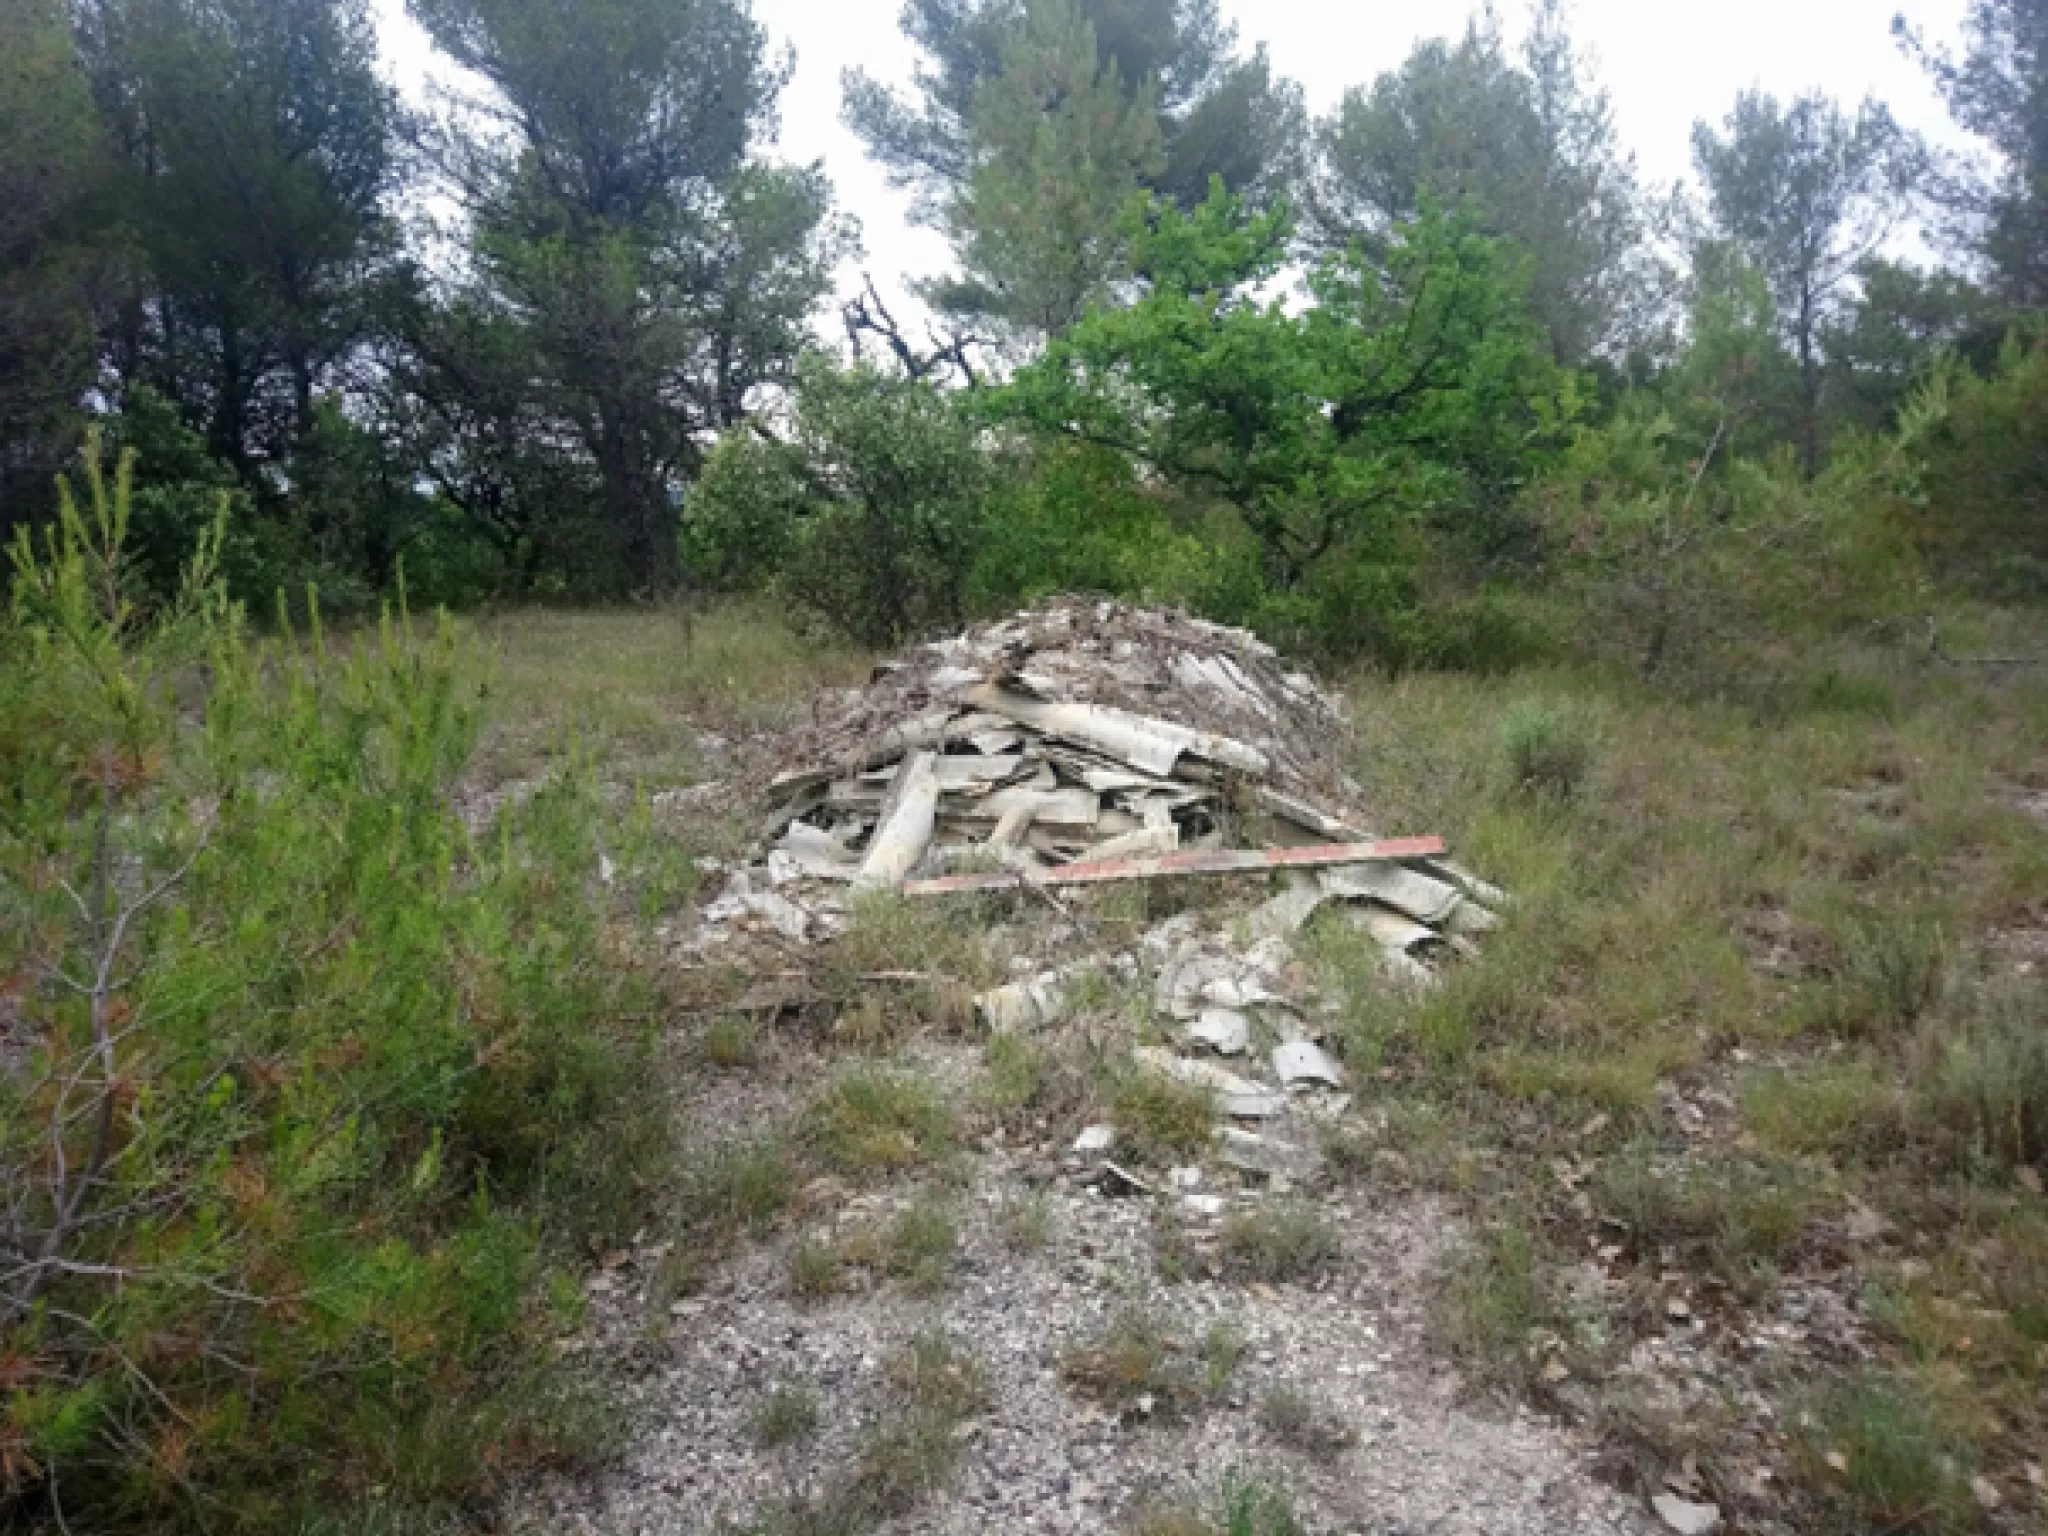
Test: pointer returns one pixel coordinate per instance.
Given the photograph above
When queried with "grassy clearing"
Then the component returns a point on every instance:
(1757, 989)
(621, 683)
(1759, 983)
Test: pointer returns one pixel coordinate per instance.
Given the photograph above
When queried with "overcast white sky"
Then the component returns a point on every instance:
(1667, 63)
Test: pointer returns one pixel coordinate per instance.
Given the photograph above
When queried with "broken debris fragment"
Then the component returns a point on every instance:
(1224, 1030)
(1303, 1061)
(1686, 1517)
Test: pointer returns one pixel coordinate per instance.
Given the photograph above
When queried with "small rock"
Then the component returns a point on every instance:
(1686, 1517)
(1097, 1138)
(1986, 1492)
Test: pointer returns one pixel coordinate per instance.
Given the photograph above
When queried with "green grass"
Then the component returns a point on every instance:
(1792, 890)
(622, 683)
(740, 1188)
(1294, 1418)
(1240, 1506)
(1883, 1452)
(1140, 1367)
(1495, 1301)
(1280, 1243)
(903, 964)
(916, 1247)
(935, 1388)
(787, 1415)
(1159, 1119)
(732, 1044)
(875, 1121)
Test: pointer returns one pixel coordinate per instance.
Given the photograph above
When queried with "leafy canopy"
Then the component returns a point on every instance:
(1527, 145)
(1405, 385)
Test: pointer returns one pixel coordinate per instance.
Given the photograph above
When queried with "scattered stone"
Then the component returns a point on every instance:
(1686, 1517)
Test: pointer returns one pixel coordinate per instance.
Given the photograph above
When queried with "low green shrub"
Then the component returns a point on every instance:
(315, 1089)
(1985, 1099)
(1547, 750)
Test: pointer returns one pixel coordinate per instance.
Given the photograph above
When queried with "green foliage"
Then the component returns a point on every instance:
(1547, 750)
(257, 145)
(1803, 193)
(1081, 522)
(1524, 144)
(1411, 387)
(52, 251)
(642, 276)
(1998, 92)
(1983, 481)
(1060, 146)
(871, 513)
(332, 1081)
(1688, 560)
(1039, 119)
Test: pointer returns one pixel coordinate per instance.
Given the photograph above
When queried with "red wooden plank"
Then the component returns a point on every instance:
(1233, 861)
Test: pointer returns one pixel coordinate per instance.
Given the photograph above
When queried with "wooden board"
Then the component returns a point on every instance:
(1218, 861)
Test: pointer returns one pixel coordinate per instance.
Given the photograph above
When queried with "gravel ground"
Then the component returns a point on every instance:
(1040, 1460)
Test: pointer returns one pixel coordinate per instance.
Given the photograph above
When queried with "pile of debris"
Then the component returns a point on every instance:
(1064, 741)
(1088, 742)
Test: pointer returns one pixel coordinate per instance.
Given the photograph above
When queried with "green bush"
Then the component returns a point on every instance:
(871, 513)
(1983, 478)
(315, 1083)
(1547, 750)
(1985, 1098)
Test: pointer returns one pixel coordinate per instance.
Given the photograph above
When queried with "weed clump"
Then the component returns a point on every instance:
(1138, 1367)
(1494, 1303)
(1242, 1506)
(916, 1247)
(1297, 1421)
(1881, 1448)
(1280, 1244)
(788, 1415)
(740, 1188)
(937, 1386)
(1159, 1119)
(1546, 750)
(1985, 1104)
(874, 1121)
(1885, 976)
